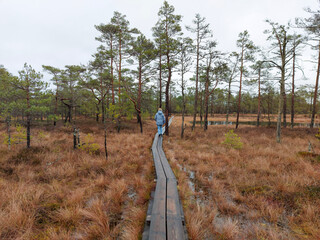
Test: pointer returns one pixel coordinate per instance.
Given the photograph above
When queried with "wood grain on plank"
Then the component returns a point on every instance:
(158, 218)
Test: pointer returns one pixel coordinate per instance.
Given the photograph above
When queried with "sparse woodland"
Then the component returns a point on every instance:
(75, 159)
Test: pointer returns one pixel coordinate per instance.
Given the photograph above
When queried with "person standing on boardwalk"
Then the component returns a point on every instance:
(160, 120)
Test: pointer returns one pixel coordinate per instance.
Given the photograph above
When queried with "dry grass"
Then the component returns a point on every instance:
(263, 191)
(54, 192)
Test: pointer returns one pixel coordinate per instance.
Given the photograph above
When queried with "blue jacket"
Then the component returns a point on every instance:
(160, 119)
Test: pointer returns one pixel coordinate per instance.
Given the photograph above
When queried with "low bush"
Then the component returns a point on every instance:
(232, 140)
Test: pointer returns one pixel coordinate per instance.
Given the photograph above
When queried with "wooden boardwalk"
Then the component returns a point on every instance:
(165, 218)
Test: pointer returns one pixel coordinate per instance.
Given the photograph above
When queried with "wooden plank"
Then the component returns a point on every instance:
(156, 159)
(158, 218)
(165, 164)
(166, 215)
(145, 234)
(158, 166)
(175, 228)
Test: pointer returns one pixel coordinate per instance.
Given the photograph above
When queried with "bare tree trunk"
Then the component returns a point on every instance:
(105, 135)
(279, 121)
(97, 113)
(105, 139)
(206, 113)
(28, 130)
(66, 117)
(74, 138)
(197, 82)
(292, 93)
(28, 116)
(259, 98)
(168, 82)
(228, 102)
(183, 97)
(315, 92)
(120, 106)
(167, 102)
(103, 108)
(160, 77)
(268, 106)
(206, 100)
(55, 109)
(9, 131)
(102, 96)
(211, 109)
(284, 107)
(140, 96)
(140, 122)
(280, 107)
(111, 69)
(183, 113)
(239, 98)
(78, 136)
(120, 62)
(201, 108)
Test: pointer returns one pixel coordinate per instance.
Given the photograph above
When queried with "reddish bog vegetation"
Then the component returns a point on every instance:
(54, 192)
(264, 190)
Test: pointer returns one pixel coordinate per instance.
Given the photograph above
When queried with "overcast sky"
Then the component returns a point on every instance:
(61, 32)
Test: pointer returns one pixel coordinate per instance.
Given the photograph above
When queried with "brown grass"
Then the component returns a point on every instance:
(54, 192)
(263, 191)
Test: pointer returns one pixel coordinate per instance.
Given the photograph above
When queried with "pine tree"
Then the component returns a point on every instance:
(30, 83)
(143, 52)
(280, 39)
(312, 27)
(247, 50)
(169, 27)
(185, 60)
(202, 32)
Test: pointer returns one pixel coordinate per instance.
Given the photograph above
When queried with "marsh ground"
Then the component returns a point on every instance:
(264, 190)
(52, 191)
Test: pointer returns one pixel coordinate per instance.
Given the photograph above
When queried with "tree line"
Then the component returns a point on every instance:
(180, 69)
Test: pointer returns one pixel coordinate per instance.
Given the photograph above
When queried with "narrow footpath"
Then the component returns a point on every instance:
(165, 219)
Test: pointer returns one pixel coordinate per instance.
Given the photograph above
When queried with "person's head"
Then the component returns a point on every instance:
(160, 109)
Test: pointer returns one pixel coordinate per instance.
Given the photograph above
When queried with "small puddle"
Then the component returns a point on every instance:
(191, 182)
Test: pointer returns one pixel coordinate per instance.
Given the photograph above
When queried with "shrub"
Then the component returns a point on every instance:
(232, 140)
(19, 136)
(89, 145)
